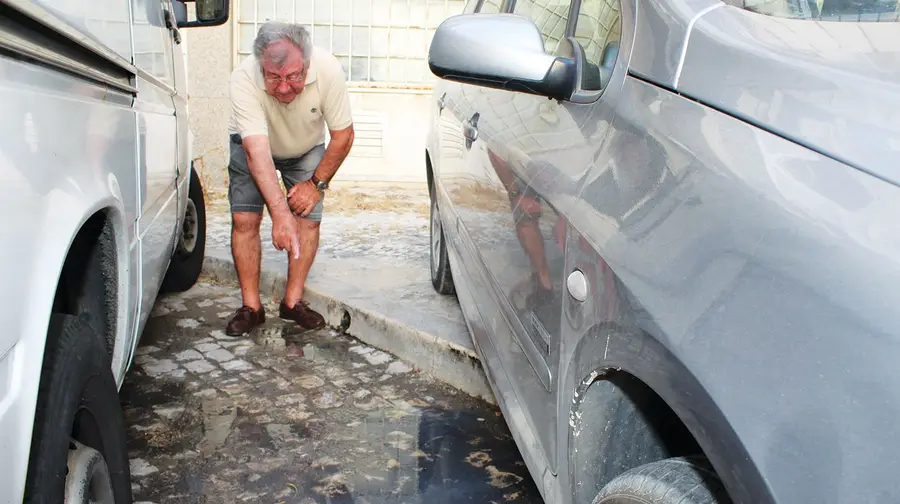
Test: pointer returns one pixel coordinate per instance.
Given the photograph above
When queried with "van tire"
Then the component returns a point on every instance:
(187, 262)
(679, 480)
(77, 400)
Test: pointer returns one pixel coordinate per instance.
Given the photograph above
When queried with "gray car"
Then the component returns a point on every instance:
(673, 227)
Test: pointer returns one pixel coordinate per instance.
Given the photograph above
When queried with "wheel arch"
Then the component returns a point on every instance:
(616, 375)
(59, 224)
(104, 222)
(92, 267)
(429, 171)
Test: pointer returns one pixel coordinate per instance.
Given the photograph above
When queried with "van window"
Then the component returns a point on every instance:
(153, 41)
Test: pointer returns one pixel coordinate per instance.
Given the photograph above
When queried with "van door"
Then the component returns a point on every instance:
(157, 145)
(183, 161)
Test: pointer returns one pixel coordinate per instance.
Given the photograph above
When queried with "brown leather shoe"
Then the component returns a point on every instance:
(245, 320)
(302, 314)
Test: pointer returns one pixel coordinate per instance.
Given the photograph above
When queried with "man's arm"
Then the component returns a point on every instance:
(262, 169)
(335, 153)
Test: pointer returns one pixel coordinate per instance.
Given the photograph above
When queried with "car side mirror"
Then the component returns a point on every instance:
(207, 12)
(500, 51)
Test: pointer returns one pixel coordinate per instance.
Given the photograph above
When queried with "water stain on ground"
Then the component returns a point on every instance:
(317, 417)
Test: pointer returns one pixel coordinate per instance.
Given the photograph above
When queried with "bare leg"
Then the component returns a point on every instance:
(246, 250)
(533, 242)
(298, 269)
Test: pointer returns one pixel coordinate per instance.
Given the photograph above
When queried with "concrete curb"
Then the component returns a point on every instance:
(457, 366)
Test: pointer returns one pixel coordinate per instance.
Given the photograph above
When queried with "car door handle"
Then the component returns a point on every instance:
(440, 102)
(470, 130)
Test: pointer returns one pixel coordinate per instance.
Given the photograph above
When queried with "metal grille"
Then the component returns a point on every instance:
(380, 43)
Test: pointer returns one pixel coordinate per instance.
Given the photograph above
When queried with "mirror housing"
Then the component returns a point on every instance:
(500, 51)
(208, 12)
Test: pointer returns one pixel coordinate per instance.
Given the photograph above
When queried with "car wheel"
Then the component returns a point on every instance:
(441, 278)
(680, 480)
(78, 447)
(187, 262)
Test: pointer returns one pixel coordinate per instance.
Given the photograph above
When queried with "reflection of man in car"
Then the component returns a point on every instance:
(526, 210)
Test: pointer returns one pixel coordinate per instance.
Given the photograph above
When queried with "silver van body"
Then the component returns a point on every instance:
(95, 175)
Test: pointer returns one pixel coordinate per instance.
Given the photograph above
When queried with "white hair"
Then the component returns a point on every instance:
(276, 31)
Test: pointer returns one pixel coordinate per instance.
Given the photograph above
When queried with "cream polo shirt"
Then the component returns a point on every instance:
(294, 128)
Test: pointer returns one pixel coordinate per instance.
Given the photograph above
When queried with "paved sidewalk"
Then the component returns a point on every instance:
(373, 266)
(301, 417)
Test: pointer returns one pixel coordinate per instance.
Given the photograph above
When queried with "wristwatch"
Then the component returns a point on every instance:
(320, 184)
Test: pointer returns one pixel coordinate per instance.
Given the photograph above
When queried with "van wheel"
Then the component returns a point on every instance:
(78, 447)
(441, 277)
(187, 262)
(680, 480)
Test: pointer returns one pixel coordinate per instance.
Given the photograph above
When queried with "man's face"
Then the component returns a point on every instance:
(286, 81)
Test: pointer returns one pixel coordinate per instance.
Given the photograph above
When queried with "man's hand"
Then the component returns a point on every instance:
(286, 233)
(303, 197)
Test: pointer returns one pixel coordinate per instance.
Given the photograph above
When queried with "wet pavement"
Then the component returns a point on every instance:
(285, 416)
(373, 255)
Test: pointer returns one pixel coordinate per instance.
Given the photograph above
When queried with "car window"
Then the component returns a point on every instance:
(598, 30)
(825, 10)
(550, 16)
(491, 7)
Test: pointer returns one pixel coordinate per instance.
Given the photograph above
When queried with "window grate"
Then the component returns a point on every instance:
(380, 43)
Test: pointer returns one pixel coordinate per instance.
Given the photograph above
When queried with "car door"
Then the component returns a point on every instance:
(157, 154)
(526, 159)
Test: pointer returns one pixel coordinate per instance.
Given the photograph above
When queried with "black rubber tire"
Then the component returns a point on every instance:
(441, 276)
(78, 399)
(185, 268)
(679, 480)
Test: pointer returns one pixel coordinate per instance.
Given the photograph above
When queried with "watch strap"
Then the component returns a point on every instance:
(320, 185)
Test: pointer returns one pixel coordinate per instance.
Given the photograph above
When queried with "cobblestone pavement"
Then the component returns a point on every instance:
(289, 417)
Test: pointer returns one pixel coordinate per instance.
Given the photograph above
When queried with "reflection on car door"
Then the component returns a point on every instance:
(524, 155)
(155, 107)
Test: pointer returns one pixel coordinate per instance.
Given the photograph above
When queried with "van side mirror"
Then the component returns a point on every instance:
(207, 12)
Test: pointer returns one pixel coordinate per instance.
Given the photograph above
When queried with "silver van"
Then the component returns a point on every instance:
(101, 209)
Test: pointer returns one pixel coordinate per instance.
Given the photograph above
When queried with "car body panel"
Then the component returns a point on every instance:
(831, 86)
(735, 263)
(751, 263)
(661, 36)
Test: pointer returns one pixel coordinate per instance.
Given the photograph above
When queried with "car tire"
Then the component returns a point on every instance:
(679, 480)
(441, 277)
(187, 262)
(79, 427)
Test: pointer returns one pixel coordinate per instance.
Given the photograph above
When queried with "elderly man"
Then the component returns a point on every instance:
(282, 98)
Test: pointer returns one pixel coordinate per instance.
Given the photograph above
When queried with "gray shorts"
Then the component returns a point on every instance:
(243, 193)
